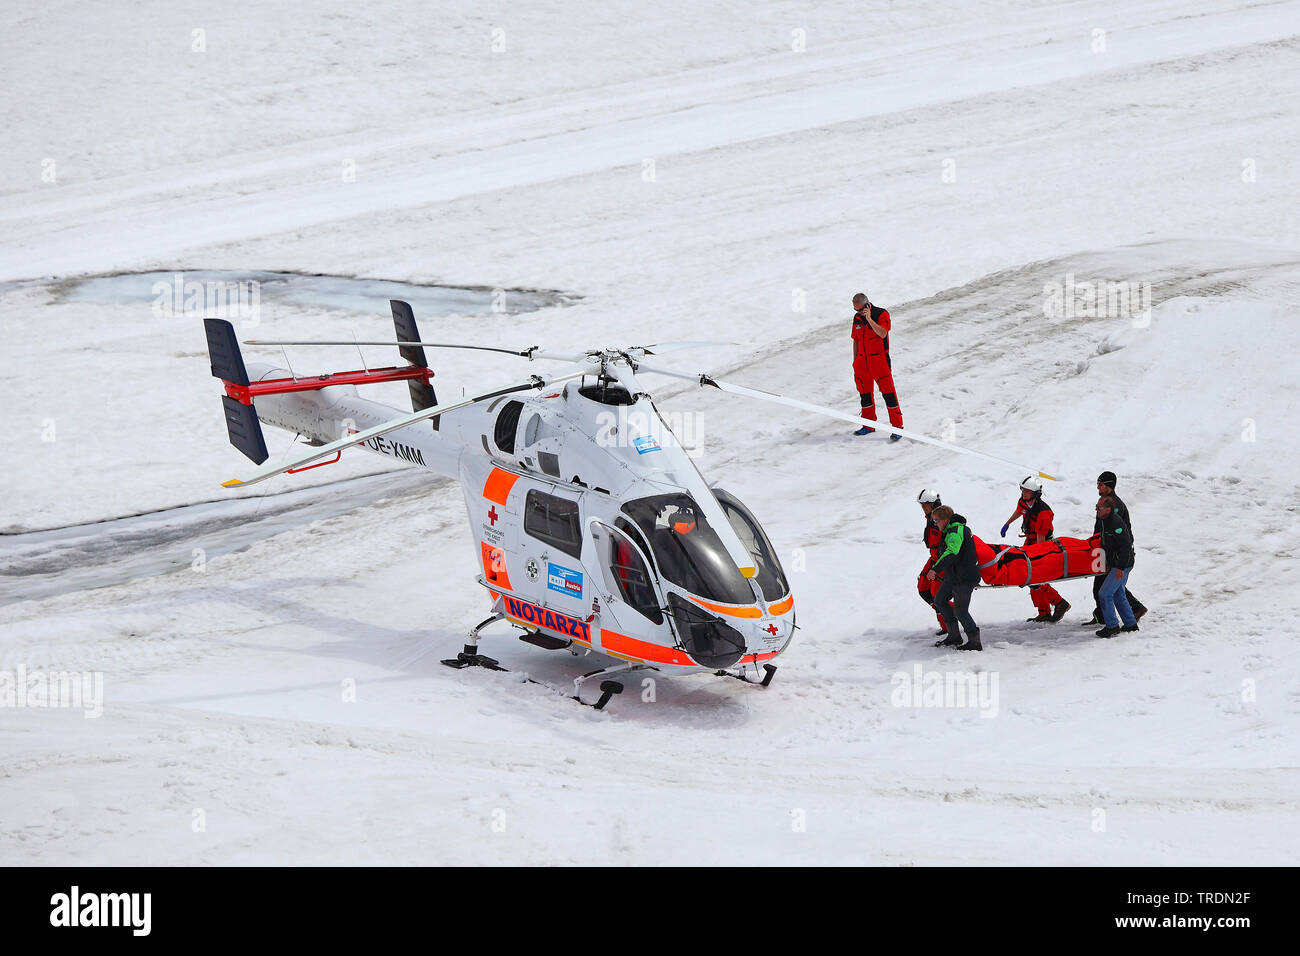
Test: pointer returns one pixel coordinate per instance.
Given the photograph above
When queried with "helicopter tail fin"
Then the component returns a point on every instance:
(242, 424)
(422, 395)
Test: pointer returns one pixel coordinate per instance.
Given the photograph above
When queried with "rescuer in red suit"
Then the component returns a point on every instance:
(1036, 526)
(871, 366)
(933, 538)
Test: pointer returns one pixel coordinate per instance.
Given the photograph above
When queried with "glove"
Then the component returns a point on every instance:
(1004, 529)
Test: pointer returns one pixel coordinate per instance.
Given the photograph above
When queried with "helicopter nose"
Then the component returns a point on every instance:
(768, 634)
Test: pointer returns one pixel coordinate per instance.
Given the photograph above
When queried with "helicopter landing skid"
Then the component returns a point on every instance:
(470, 657)
(769, 669)
(608, 688)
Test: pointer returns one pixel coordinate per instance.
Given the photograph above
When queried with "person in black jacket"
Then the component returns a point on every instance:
(1117, 542)
(957, 564)
(1106, 488)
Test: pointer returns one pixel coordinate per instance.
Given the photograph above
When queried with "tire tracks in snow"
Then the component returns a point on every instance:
(54, 561)
(1234, 790)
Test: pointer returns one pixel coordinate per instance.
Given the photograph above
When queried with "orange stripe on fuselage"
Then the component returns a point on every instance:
(748, 612)
(781, 607)
(498, 485)
(622, 645)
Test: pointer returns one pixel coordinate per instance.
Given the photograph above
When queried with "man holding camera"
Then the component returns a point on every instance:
(871, 363)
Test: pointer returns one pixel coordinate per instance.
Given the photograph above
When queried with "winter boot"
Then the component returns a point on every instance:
(1108, 631)
(972, 643)
(1128, 628)
(895, 436)
(950, 641)
(1058, 612)
(1093, 621)
(1041, 619)
(1139, 611)
(865, 430)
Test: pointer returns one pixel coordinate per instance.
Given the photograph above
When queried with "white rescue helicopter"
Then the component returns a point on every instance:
(594, 530)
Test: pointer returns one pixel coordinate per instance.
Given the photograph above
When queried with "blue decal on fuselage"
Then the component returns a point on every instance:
(565, 580)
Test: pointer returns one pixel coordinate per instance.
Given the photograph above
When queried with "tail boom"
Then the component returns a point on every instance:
(244, 393)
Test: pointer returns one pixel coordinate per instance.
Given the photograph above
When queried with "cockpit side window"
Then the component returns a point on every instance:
(688, 551)
(631, 574)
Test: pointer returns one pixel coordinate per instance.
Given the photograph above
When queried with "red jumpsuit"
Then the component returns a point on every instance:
(928, 589)
(871, 366)
(1036, 525)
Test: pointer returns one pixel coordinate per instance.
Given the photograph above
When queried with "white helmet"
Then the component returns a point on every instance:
(1032, 484)
(928, 496)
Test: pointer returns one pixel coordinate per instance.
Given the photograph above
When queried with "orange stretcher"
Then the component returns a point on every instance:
(1055, 560)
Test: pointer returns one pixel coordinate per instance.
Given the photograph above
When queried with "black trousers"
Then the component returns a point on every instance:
(1098, 581)
(959, 609)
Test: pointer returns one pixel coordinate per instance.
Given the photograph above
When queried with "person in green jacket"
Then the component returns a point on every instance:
(960, 570)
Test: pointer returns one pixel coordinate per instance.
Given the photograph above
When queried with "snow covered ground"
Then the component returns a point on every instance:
(957, 161)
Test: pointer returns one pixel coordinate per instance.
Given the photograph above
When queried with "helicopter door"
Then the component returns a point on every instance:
(551, 549)
(628, 573)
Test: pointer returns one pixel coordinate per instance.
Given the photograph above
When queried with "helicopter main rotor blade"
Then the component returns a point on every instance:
(535, 352)
(706, 380)
(270, 470)
(674, 346)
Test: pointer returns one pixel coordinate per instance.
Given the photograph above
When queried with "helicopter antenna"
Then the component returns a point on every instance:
(531, 353)
(360, 353)
(287, 364)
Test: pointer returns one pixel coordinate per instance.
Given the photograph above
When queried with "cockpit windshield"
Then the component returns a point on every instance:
(688, 550)
(771, 579)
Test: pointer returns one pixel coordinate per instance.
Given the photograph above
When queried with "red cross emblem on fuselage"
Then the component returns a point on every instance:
(771, 629)
(492, 515)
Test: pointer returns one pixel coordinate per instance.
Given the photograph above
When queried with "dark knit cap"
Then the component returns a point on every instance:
(1107, 478)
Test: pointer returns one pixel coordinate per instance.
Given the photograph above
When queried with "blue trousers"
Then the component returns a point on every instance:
(1113, 598)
